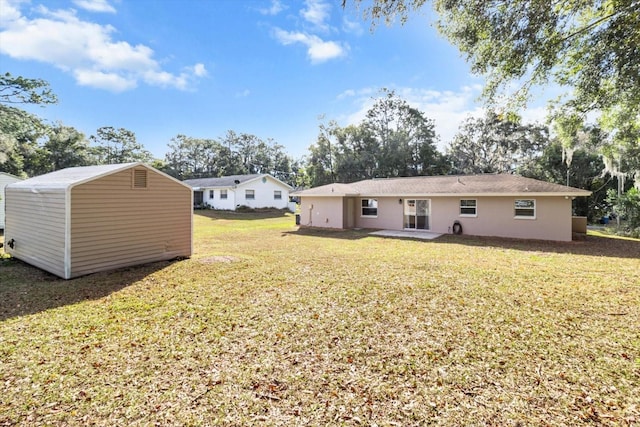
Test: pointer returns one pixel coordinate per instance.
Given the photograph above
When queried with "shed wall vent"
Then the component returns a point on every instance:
(140, 178)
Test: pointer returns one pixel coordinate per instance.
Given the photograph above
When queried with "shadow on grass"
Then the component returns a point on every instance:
(592, 246)
(256, 214)
(598, 246)
(26, 290)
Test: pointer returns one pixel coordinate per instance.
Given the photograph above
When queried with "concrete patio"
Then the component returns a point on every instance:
(418, 234)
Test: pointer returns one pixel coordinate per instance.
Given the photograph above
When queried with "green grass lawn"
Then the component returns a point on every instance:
(267, 325)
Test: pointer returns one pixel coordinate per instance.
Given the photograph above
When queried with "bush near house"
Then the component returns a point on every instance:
(627, 206)
(269, 325)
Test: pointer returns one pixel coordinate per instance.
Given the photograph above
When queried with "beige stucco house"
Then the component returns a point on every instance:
(481, 205)
(81, 220)
(230, 192)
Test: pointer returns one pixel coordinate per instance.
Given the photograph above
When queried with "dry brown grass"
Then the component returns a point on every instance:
(267, 325)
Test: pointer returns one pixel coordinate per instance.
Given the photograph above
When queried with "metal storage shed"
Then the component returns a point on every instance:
(82, 220)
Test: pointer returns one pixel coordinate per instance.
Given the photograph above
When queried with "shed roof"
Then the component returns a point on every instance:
(227, 181)
(69, 177)
(10, 175)
(449, 185)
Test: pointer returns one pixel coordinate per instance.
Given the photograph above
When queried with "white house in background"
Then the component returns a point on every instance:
(230, 192)
(5, 179)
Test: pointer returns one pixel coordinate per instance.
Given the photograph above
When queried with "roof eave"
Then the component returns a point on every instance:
(416, 195)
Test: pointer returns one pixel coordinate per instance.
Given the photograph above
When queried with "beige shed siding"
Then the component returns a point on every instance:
(41, 245)
(114, 225)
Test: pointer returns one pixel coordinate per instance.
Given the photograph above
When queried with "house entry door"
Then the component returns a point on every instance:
(197, 198)
(416, 214)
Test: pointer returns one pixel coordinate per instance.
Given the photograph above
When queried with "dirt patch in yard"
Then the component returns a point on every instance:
(217, 259)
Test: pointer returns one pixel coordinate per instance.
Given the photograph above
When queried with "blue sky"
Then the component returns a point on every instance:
(272, 68)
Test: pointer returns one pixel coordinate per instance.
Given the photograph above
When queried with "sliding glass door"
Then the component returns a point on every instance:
(416, 214)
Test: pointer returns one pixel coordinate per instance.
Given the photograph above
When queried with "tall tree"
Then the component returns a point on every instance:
(320, 169)
(405, 135)
(22, 90)
(20, 133)
(65, 147)
(394, 139)
(19, 130)
(117, 146)
(496, 144)
(192, 157)
(589, 45)
(584, 171)
(357, 153)
(232, 154)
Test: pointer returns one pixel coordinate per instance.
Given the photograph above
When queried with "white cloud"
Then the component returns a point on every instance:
(318, 50)
(9, 11)
(85, 49)
(275, 8)
(243, 94)
(102, 80)
(95, 5)
(317, 12)
(352, 27)
(199, 70)
(165, 79)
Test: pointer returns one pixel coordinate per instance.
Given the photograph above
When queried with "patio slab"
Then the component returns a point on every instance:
(425, 235)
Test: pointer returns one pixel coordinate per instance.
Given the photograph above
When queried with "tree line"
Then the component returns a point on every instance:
(394, 139)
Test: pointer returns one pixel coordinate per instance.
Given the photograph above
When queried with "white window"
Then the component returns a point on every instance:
(277, 195)
(468, 207)
(525, 208)
(223, 194)
(369, 207)
(211, 194)
(249, 194)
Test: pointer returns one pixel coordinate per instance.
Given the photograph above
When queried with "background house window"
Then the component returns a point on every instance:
(249, 194)
(468, 207)
(525, 208)
(277, 195)
(223, 194)
(369, 207)
(211, 194)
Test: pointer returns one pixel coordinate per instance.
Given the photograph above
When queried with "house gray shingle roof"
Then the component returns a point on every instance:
(458, 185)
(226, 181)
(223, 181)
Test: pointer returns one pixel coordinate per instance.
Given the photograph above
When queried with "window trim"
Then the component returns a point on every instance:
(277, 194)
(533, 210)
(223, 194)
(475, 208)
(246, 194)
(362, 207)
